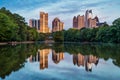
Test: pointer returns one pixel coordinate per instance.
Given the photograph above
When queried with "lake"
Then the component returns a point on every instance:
(57, 61)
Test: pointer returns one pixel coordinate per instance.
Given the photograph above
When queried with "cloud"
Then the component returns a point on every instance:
(64, 9)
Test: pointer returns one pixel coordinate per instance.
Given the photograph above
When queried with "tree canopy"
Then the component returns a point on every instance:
(14, 28)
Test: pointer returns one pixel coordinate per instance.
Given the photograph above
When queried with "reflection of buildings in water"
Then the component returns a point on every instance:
(57, 57)
(90, 60)
(44, 58)
(78, 59)
(87, 60)
(34, 58)
(41, 56)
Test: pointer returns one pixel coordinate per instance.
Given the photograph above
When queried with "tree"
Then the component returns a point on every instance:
(116, 23)
(16, 23)
(8, 29)
(32, 34)
(58, 36)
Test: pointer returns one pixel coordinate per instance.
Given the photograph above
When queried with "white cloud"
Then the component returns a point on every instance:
(66, 9)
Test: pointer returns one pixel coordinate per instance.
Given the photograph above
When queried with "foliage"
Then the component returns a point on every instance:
(14, 28)
(8, 29)
(58, 36)
(105, 33)
(14, 57)
(32, 34)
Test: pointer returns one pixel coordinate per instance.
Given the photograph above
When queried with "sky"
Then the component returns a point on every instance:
(65, 10)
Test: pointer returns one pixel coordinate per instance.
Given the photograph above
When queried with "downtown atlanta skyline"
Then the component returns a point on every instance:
(106, 10)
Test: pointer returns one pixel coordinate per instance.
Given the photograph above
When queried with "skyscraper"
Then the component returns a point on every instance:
(57, 25)
(78, 22)
(44, 23)
(81, 23)
(92, 23)
(75, 22)
(34, 23)
(85, 21)
(88, 15)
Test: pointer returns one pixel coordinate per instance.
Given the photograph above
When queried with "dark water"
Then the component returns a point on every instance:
(60, 62)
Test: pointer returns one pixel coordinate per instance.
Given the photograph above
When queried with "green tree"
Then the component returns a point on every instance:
(116, 23)
(58, 36)
(8, 29)
(32, 34)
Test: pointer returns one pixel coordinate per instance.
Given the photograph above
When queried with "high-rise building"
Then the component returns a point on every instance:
(44, 23)
(81, 23)
(85, 21)
(92, 23)
(34, 23)
(78, 22)
(57, 25)
(75, 22)
(88, 15)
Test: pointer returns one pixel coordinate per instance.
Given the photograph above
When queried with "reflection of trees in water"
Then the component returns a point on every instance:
(104, 51)
(12, 58)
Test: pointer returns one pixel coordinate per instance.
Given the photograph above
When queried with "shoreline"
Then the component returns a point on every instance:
(29, 42)
(14, 43)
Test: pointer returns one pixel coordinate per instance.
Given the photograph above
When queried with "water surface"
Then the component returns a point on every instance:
(60, 62)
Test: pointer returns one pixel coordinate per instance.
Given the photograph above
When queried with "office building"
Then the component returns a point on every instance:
(57, 25)
(44, 23)
(33, 23)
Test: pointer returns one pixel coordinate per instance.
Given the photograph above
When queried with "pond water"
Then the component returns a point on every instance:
(60, 62)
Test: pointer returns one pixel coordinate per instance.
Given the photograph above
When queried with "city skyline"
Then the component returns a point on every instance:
(41, 24)
(107, 10)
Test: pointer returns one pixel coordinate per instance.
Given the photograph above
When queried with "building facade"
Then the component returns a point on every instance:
(85, 21)
(92, 23)
(33, 23)
(75, 22)
(88, 15)
(57, 25)
(78, 22)
(44, 23)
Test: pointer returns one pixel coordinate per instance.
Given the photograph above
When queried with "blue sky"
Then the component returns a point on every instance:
(106, 10)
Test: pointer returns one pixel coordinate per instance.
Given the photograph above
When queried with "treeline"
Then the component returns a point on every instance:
(14, 28)
(103, 33)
